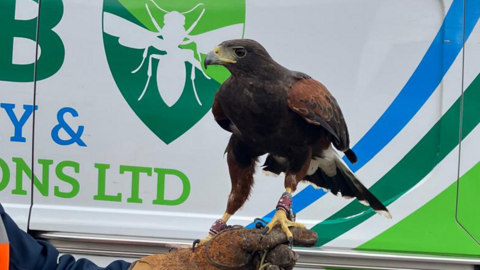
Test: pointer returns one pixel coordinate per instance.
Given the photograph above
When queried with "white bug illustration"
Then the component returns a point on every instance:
(171, 70)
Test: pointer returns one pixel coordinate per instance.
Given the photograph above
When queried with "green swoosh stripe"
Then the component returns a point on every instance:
(432, 148)
(433, 228)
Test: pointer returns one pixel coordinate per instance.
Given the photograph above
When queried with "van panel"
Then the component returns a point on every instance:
(18, 20)
(127, 146)
(468, 212)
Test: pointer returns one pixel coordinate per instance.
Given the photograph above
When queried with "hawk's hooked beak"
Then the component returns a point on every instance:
(219, 56)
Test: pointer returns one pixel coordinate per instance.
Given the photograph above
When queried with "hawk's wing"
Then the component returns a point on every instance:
(314, 103)
(219, 115)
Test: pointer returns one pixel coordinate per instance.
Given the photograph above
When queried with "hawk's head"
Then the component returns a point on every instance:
(240, 55)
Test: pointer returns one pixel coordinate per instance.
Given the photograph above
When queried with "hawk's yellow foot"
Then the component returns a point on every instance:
(201, 242)
(281, 219)
(218, 226)
(284, 216)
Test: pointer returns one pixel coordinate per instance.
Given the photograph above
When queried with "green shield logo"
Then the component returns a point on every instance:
(155, 50)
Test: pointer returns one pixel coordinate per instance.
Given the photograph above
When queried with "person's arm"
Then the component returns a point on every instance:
(29, 253)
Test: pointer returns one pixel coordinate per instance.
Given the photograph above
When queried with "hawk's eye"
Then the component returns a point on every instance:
(240, 52)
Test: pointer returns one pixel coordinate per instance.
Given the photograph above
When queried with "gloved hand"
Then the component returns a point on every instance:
(235, 249)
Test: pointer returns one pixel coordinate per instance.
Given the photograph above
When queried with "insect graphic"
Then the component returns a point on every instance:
(171, 69)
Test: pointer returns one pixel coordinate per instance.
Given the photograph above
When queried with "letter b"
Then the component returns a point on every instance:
(18, 28)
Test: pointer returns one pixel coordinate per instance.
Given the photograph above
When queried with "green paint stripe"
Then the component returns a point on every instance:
(468, 212)
(432, 148)
(432, 228)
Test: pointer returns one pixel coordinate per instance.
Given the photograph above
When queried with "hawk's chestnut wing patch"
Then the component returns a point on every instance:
(314, 103)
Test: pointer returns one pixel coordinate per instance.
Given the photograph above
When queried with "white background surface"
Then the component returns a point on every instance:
(363, 51)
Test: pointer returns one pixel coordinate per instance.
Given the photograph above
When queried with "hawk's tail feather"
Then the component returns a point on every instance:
(346, 184)
(352, 157)
(343, 183)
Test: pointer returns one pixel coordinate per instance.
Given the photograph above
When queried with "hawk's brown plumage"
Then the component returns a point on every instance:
(287, 115)
(219, 115)
(311, 99)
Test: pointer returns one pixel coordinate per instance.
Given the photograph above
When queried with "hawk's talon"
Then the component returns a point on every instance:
(290, 242)
(195, 243)
(200, 242)
(281, 219)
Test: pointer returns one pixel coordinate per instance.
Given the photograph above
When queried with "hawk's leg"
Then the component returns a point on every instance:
(241, 165)
(284, 216)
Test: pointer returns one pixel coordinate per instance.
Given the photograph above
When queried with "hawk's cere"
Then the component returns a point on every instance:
(286, 114)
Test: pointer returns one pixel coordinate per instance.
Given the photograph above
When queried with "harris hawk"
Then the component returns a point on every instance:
(288, 115)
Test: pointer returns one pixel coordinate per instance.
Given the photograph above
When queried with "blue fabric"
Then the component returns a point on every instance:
(27, 253)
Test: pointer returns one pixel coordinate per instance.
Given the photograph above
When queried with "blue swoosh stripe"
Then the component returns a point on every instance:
(437, 61)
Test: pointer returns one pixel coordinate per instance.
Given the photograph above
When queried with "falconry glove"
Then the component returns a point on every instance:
(236, 249)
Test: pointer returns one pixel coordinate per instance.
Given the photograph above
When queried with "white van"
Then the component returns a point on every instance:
(108, 146)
